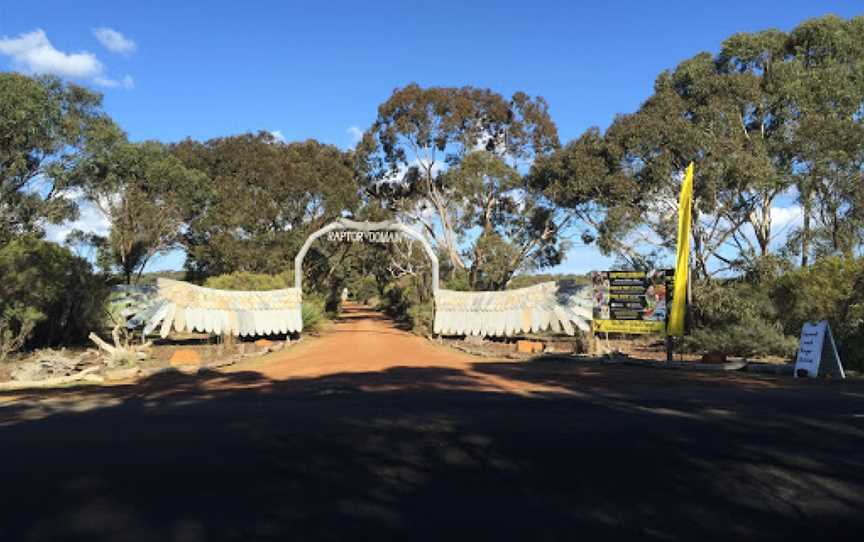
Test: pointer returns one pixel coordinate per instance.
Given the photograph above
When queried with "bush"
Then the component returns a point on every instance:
(421, 317)
(404, 304)
(50, 291)
(312, 312)
(249, 282)
(748, 337)
(831, 289)
(736, 317)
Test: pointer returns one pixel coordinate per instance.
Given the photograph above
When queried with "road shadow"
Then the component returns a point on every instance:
(409, 453)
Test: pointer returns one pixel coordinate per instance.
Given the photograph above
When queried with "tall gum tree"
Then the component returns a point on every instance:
(411, 159)
(141, 190)
(823, 81)
(43, 125)
(261, 199)
(769, 113)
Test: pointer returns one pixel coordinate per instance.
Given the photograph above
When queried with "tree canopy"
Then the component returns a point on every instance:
(43, 125)
(448, 159)
(261, 199)
(771, 115)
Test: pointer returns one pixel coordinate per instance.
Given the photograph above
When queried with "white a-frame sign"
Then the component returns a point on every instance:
(817, 356)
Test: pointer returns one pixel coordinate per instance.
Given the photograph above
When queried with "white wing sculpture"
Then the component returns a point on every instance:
(557, 306)
(187, 307)
(551, 305)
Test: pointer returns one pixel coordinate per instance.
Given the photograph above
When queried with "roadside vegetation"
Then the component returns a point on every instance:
(772, 121)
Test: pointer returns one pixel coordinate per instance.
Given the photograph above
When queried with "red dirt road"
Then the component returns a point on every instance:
(365, 341)
(361, 340)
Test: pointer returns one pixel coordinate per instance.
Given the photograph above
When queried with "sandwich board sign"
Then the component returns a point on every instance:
(817, 352)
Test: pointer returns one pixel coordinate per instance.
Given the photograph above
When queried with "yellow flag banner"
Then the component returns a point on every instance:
(682, 261)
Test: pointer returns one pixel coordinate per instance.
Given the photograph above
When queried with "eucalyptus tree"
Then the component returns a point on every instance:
(43, 125)
(823, 82)
(587, 179)
(771, 111)
(515, 228)
(140, 189)
(261, 199)
(413, 159)
(754, 66)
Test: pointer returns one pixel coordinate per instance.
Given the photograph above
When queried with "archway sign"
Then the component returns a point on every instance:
(558, 306)
(367, 231)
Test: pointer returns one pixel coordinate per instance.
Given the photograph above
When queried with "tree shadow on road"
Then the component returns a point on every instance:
(425, 453)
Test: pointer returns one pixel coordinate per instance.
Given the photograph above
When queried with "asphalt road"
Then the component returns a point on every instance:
(457, 448)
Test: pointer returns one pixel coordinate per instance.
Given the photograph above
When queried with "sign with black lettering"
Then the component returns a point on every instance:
(631, 301)
(817, 352)
(366, 236)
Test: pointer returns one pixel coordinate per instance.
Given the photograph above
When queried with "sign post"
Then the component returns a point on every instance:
(816, 355)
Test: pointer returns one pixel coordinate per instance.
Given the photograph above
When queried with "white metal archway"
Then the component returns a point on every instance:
(347, 224)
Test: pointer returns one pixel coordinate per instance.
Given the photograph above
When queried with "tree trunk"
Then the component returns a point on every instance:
(806, 209)
(763, 236)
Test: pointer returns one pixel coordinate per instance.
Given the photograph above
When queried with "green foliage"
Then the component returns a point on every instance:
(493, 262)
(832, 289)
(457, 280)
(456, 153)
(736, 317)
(43, 124)
(403, 303)
(264, 197)
(364, 288)
(762, 313)
(141, 191)
(248, 281)
(768, 112)
(312, 312)
(421, 318)
(49, 290)
(16, 325)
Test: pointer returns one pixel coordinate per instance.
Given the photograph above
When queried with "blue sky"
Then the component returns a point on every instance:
(320, 69)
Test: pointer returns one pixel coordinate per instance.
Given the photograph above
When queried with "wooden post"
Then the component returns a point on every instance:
(669, 342)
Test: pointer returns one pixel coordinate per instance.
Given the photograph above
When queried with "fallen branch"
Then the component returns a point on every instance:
(119, 349)
(87, 375)
(102, 344)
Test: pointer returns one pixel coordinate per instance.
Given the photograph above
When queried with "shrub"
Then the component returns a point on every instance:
(736, 317)
(421, 317)
(831, 289)
(312, 312)
(404, 304)
(748, 337)
(49, 292)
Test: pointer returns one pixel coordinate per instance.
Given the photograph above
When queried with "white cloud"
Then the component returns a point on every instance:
(355, 133)
(90, 220)
(114, 41)
(785, 217)
(278, 136)
(126, 82)
(33, 52)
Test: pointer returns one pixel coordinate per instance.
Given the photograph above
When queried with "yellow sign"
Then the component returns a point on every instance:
(636, 327)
